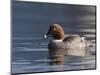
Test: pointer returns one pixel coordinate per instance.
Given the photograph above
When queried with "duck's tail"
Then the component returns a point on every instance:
(90, 43)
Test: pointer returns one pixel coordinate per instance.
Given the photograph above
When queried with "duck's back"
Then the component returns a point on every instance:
(73, 38)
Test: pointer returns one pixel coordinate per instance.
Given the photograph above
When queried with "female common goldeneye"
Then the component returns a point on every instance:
(62, 44)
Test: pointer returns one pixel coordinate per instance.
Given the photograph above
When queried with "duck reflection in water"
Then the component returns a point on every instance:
(61, 44)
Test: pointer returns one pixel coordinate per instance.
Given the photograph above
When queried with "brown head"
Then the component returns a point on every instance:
(55, 31)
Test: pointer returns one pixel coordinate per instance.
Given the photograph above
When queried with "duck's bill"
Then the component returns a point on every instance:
(45, 36)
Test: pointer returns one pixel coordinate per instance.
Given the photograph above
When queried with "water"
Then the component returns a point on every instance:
(31, 20)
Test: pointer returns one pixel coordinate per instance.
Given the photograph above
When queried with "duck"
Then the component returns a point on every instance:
(62, 45)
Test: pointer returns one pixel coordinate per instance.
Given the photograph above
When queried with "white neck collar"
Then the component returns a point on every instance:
(57, 40)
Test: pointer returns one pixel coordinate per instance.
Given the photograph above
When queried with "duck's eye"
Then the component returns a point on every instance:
(54, 29)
